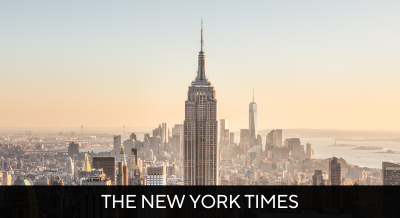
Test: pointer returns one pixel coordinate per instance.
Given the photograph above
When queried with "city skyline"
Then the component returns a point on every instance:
(331, 68)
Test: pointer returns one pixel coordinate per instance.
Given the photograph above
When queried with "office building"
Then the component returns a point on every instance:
(70, 166)
(309, 151)
(73, 149)
(390, 173)
(252, 121)
(294, 146)
(244, 138)
(231, 138)
(133, 136)
(335, 171)
(117, 145)
(279, 137)
(42, 181)
(259, 140)
(108, 164)
(223, 125)
(86, 165)
(201, 130)
(156, 175)
(164, 133)
(6, 179)
(176, 143)
(318, 178)
(122, 175)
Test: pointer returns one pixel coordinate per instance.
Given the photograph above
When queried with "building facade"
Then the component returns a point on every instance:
(201, 130)
(335, 171)
(391, 173)
(156, 175)
(108, 164)
(117, 144)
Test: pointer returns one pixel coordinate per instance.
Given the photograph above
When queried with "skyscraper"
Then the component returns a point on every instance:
(279, 137)
(244, 138)
(252, 121)
(108, 164)
(164, 133)
(390, 173)
(73, 148)
(335, 171)
(117, 145)
(223, 125)
(133, 136)
(201, 129)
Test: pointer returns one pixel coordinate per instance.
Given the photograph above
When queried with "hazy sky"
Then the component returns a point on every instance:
(313, 64)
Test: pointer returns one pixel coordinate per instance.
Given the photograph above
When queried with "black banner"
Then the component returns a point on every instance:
(195, 201)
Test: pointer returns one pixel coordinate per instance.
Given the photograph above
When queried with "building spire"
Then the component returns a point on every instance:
(201, 79)
(202, 42)
(253, 94)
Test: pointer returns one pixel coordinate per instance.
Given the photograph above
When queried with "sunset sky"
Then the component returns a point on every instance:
(313, 64)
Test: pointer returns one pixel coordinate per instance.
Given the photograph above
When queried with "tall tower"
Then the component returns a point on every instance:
(201, 129)
(117, 145)
(335, 171)
(252, 121)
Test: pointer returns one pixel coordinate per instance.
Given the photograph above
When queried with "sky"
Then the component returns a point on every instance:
(312, 64)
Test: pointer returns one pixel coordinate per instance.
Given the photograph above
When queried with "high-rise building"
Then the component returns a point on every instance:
(259, 140)
(156, 175)
(73, 148)
(391, 173)
(201, 130)
(272, 138)
(294, 146)
(252, 121)
(129, 144)
(226, 137)
(133, 136)
(244, 138)
(164, 133)
(223, 125)
(176, 143)
(318, 178)
(309, 151)
(3, 163)
(178, 128)
(6, 179)
(335, 171)
(108, 164)
(117, 145)
(70, 166)
(279, 137)
(231, 138)
(122, 178)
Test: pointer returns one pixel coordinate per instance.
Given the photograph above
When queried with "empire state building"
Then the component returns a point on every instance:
(201, 129)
